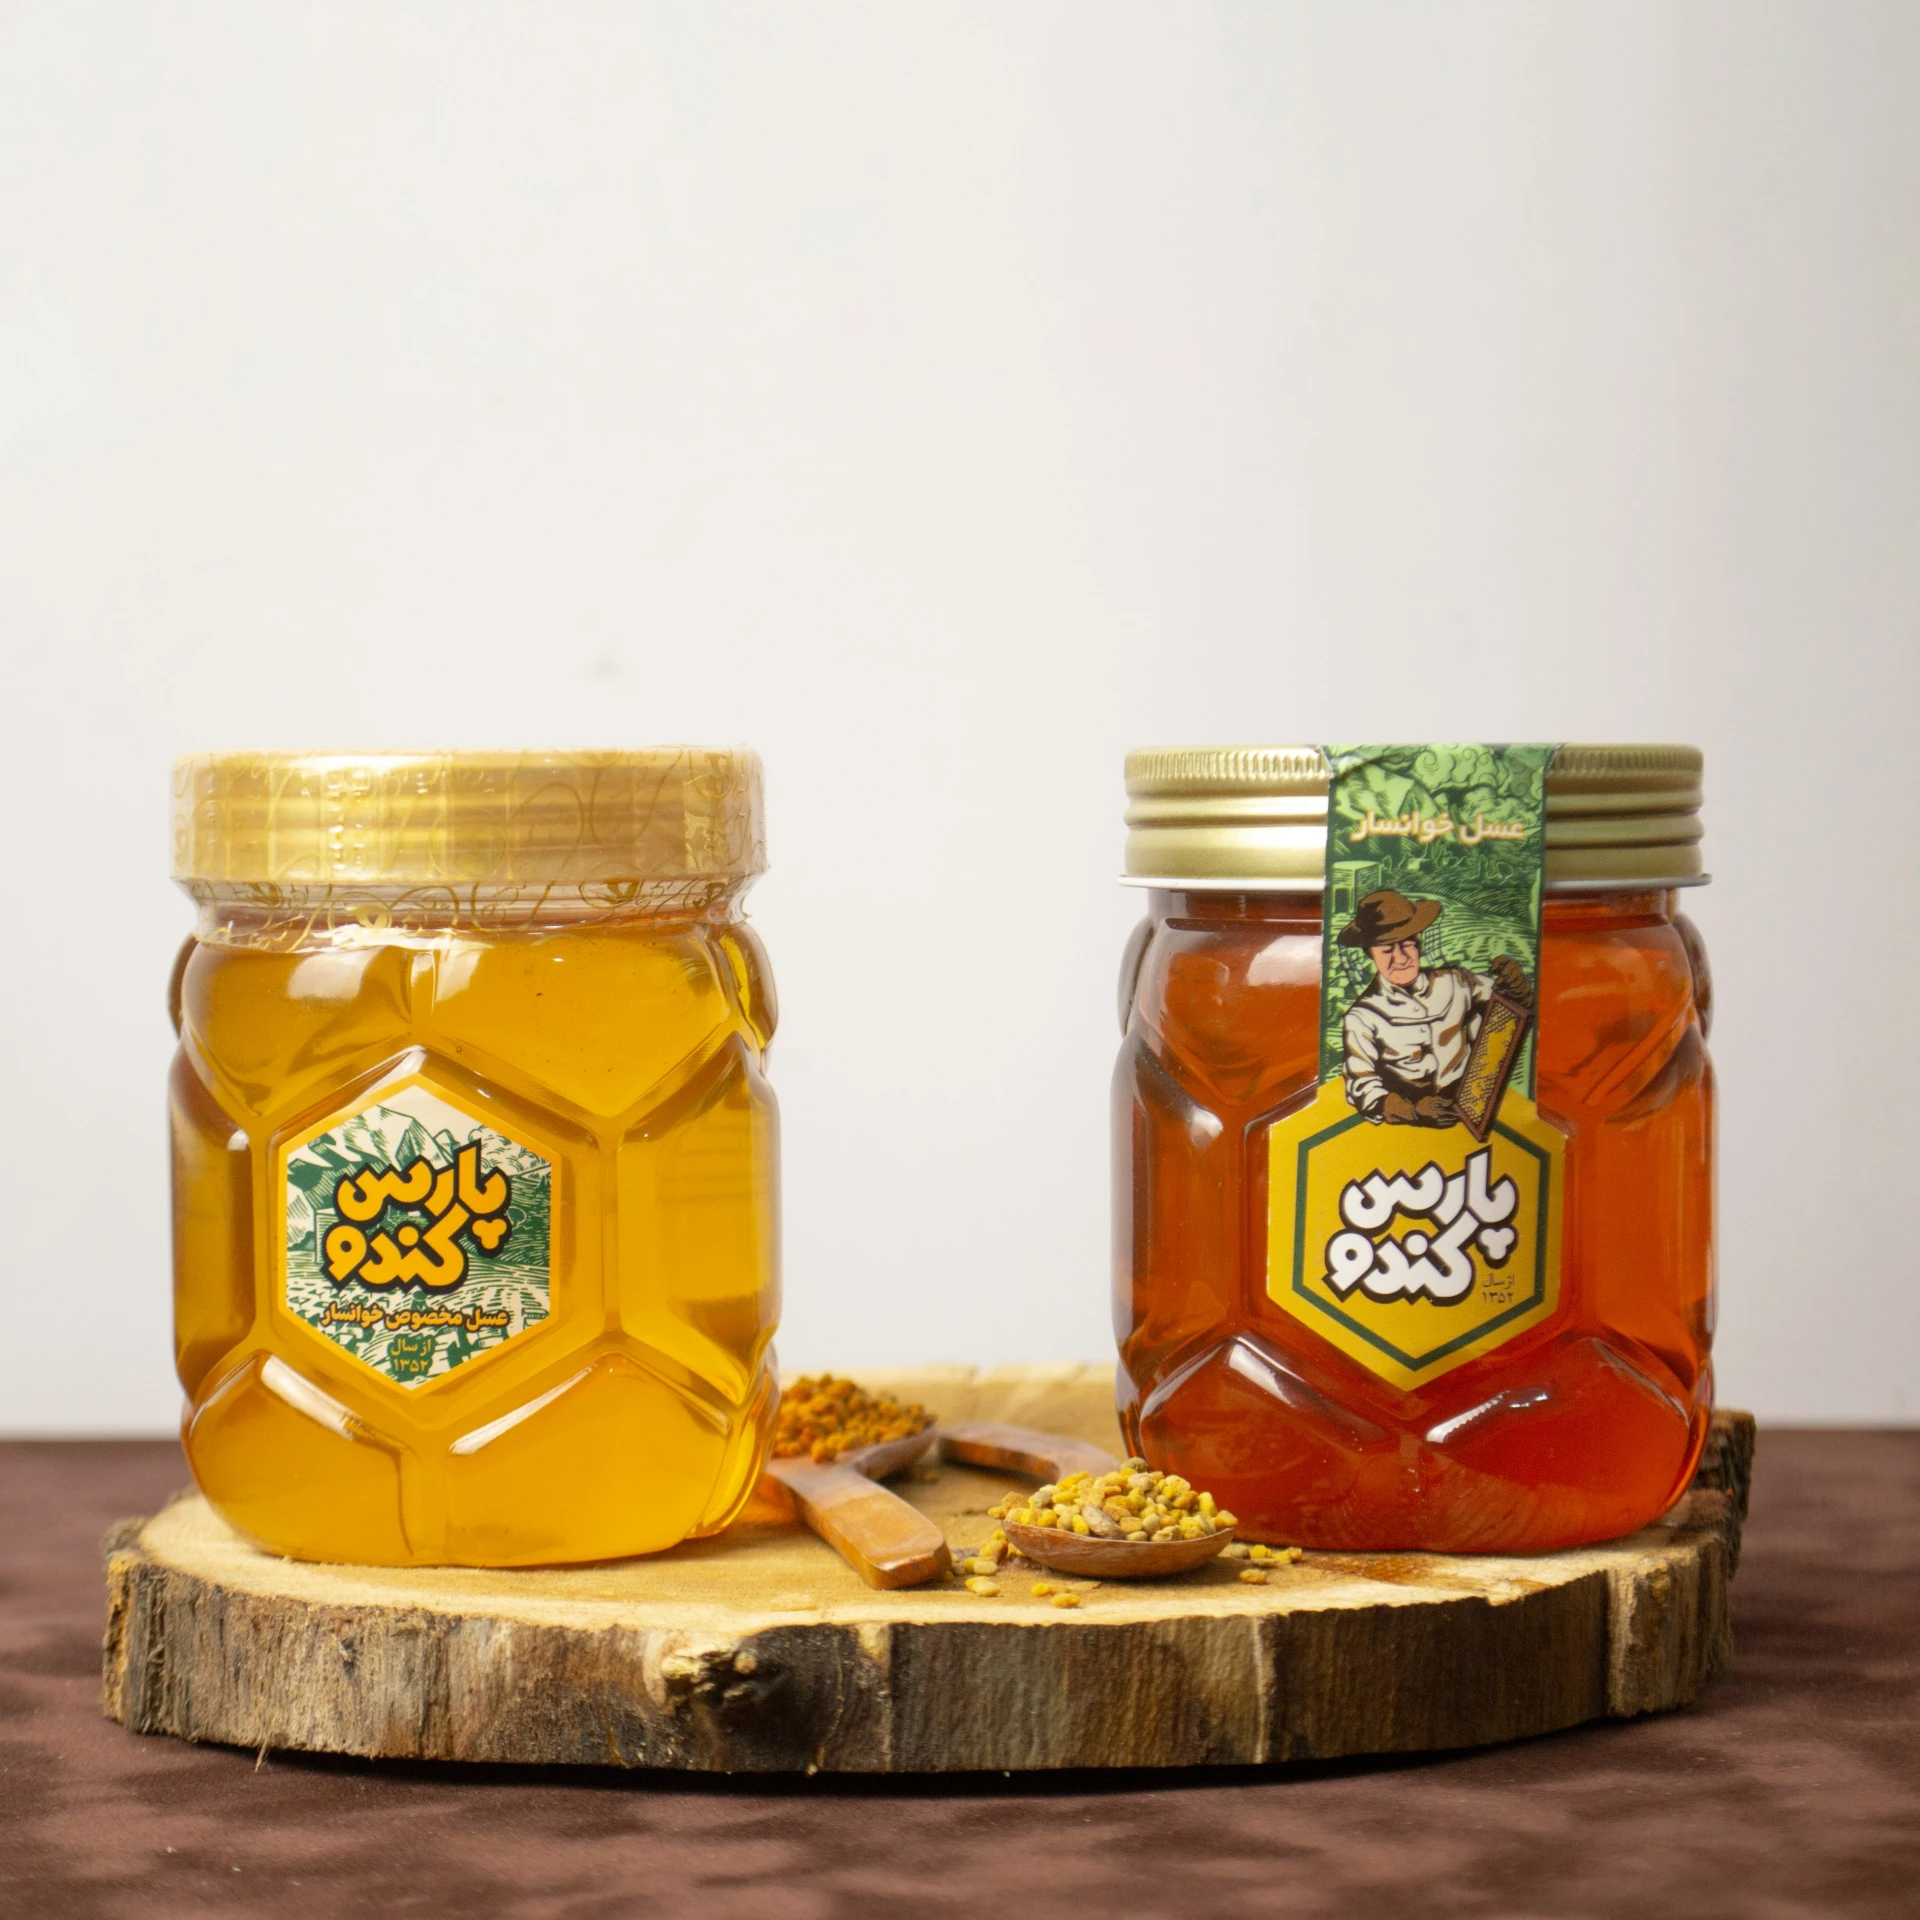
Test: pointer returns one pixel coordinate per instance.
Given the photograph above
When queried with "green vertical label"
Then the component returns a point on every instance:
(1435, 864)
(1414, 1207)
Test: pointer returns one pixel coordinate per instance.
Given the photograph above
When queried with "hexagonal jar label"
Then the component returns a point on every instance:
(418, 1235)
(1414, 1249)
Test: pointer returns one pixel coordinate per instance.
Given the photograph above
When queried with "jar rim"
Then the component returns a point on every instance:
(1165, 883)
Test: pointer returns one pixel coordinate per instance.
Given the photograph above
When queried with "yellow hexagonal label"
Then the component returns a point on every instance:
(1414, 1249)
(418, 1235)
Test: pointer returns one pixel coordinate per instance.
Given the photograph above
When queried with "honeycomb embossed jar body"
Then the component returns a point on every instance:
(474, 1159)
(1368, 1298)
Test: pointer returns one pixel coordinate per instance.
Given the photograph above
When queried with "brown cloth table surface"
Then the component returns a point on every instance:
(1792, 1787)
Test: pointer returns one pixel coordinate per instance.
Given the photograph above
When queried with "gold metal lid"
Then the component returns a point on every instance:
(452, 819)
(1255, 818)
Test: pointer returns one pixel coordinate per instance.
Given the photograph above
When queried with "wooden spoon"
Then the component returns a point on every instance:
(1052, 1456)
(1047, 1456)
(884, 1540)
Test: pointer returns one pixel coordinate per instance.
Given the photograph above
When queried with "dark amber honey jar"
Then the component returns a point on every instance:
(1558, 1397)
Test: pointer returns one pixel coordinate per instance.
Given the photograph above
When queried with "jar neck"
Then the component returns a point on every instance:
(1566, 909)
(296, 919)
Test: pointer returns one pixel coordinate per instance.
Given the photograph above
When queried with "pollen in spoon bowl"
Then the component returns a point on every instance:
(1130, 1523)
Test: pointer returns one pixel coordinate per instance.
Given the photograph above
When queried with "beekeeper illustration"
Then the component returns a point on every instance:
(1410, 1034)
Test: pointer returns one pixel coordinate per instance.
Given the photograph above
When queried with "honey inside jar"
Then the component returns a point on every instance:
(1588, 1422)
(474, 1155)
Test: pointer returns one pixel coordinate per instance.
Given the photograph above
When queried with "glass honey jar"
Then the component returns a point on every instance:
(474, 1155)
(1414, 1140)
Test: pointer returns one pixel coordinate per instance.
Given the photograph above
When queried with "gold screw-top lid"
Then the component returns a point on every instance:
(1255, 818)
(456, 819)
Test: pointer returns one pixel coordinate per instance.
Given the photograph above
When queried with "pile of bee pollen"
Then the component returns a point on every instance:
(823, 1416)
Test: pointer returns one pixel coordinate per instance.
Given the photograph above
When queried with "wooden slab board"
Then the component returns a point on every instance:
(761, 1651)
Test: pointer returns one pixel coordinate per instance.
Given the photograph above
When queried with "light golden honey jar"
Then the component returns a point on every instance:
(474, 1156)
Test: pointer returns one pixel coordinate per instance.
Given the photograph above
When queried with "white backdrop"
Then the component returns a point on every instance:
(943, 400)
